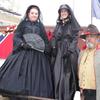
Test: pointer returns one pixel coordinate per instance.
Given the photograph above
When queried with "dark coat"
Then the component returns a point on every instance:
(28, 27)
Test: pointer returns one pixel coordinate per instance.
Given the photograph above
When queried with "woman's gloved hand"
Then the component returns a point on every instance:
(67, 54)
(25, 46)
(47, 49)
(54, 51)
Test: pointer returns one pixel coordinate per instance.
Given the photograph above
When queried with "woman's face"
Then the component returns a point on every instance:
(64, 14)
(33, 15)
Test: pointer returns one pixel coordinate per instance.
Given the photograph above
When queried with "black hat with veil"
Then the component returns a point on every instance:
(40, 18)
(72, 19)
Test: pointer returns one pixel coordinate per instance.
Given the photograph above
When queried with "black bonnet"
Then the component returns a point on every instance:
(64, 6)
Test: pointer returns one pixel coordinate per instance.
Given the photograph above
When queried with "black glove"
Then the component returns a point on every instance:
(47, 49)
(25, 46)
(54, 51)
(67, 54)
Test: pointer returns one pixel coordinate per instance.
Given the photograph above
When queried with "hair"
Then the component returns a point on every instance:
(74, 23)
(66, 7)
(29, 8)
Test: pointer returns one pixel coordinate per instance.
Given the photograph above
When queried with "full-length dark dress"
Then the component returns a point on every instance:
(27, 71)
(65, 57)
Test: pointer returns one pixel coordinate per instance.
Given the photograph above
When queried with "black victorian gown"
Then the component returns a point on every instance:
(65, 57)
(27, 71)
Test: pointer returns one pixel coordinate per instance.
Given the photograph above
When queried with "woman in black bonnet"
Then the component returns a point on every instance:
(27, 70)
(65, 54)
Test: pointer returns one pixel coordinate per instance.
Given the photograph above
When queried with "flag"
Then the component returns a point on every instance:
(49, 35)
(96, 9)
(6, 44)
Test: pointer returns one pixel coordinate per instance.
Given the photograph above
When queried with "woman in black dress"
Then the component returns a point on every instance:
(65, 54)
(27, 70)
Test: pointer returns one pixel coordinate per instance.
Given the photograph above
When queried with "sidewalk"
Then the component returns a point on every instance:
(3, 98)
(1, 61)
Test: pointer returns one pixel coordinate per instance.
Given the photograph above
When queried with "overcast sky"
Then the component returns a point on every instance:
(49, 8)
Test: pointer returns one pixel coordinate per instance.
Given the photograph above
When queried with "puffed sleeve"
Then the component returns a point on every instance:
(18, 38)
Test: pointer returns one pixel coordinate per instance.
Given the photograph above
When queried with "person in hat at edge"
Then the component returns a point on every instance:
(89, 65)
(65, 54)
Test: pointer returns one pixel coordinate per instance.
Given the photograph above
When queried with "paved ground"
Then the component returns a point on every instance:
(1, 61)
(3, 98)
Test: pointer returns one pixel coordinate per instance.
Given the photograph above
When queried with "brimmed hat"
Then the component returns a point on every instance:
(90, 30)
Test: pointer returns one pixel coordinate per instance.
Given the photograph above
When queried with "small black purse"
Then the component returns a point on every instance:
(35, 41)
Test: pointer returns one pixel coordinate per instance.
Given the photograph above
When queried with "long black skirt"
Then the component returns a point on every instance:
(26, 72)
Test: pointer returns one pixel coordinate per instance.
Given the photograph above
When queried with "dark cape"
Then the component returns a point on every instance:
(65, 58)
(27, 71)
